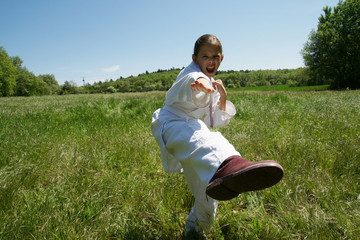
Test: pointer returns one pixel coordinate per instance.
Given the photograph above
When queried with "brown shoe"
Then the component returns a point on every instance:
(237, 175)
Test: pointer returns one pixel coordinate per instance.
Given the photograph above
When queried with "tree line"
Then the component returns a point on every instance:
(332, 53)
(163, 79)
(17, 80)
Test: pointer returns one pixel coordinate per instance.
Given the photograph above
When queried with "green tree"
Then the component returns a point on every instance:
(27, 84)
(24, 83)
(17, 62)
(52, 86)
(111, 89)
(332, 52)
(7, 74)
(68, 88)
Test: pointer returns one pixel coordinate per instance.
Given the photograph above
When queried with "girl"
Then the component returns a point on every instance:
(214, 170)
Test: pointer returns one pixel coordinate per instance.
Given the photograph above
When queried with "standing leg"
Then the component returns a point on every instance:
(203, 212)
(200, 153)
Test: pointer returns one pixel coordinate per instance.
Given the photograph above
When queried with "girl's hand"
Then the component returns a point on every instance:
(218, 84)
(202, 85)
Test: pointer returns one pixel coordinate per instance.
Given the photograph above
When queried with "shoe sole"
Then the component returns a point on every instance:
(255, 177)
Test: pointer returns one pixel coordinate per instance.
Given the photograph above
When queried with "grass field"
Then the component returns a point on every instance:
(282, 88)
(87, 167)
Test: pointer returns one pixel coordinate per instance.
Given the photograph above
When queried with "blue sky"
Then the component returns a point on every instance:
(105, 39)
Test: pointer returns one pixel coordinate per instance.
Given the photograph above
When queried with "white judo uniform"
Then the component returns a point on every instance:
(181, 129)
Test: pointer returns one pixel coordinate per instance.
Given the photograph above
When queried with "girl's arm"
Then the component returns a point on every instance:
(203, 85)
(218, 84)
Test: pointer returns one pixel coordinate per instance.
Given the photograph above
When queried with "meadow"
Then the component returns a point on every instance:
(87, 167)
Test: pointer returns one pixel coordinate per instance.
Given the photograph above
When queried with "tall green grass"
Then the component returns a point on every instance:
(87, 167)
(282, 88)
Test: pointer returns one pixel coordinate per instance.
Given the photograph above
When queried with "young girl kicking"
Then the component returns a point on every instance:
(214, 170)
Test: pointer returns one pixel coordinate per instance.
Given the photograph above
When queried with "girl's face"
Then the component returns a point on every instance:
(208, 59)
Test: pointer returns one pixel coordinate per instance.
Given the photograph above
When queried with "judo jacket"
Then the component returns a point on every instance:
(184, 105)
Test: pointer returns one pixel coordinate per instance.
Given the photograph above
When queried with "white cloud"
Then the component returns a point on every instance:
(111, 69)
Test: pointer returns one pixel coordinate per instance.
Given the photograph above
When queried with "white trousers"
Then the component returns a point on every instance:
(200, 153)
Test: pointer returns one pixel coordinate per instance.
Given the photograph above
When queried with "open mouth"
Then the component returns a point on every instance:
(210, 69)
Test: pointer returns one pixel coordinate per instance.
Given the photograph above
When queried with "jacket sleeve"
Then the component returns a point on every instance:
(223, 118)
(220, 118)
(200, 99)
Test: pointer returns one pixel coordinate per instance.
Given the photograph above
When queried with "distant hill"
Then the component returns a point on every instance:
(162, 80)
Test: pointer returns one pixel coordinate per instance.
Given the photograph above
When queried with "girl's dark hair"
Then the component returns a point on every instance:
(206, 39)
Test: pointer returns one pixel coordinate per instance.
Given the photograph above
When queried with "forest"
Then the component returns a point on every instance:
(17, 80)
(163, 79)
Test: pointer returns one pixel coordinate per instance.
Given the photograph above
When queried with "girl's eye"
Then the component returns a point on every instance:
(215, 58)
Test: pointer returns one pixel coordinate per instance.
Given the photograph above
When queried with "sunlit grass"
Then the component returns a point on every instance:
(87, 167)
(282, 88)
